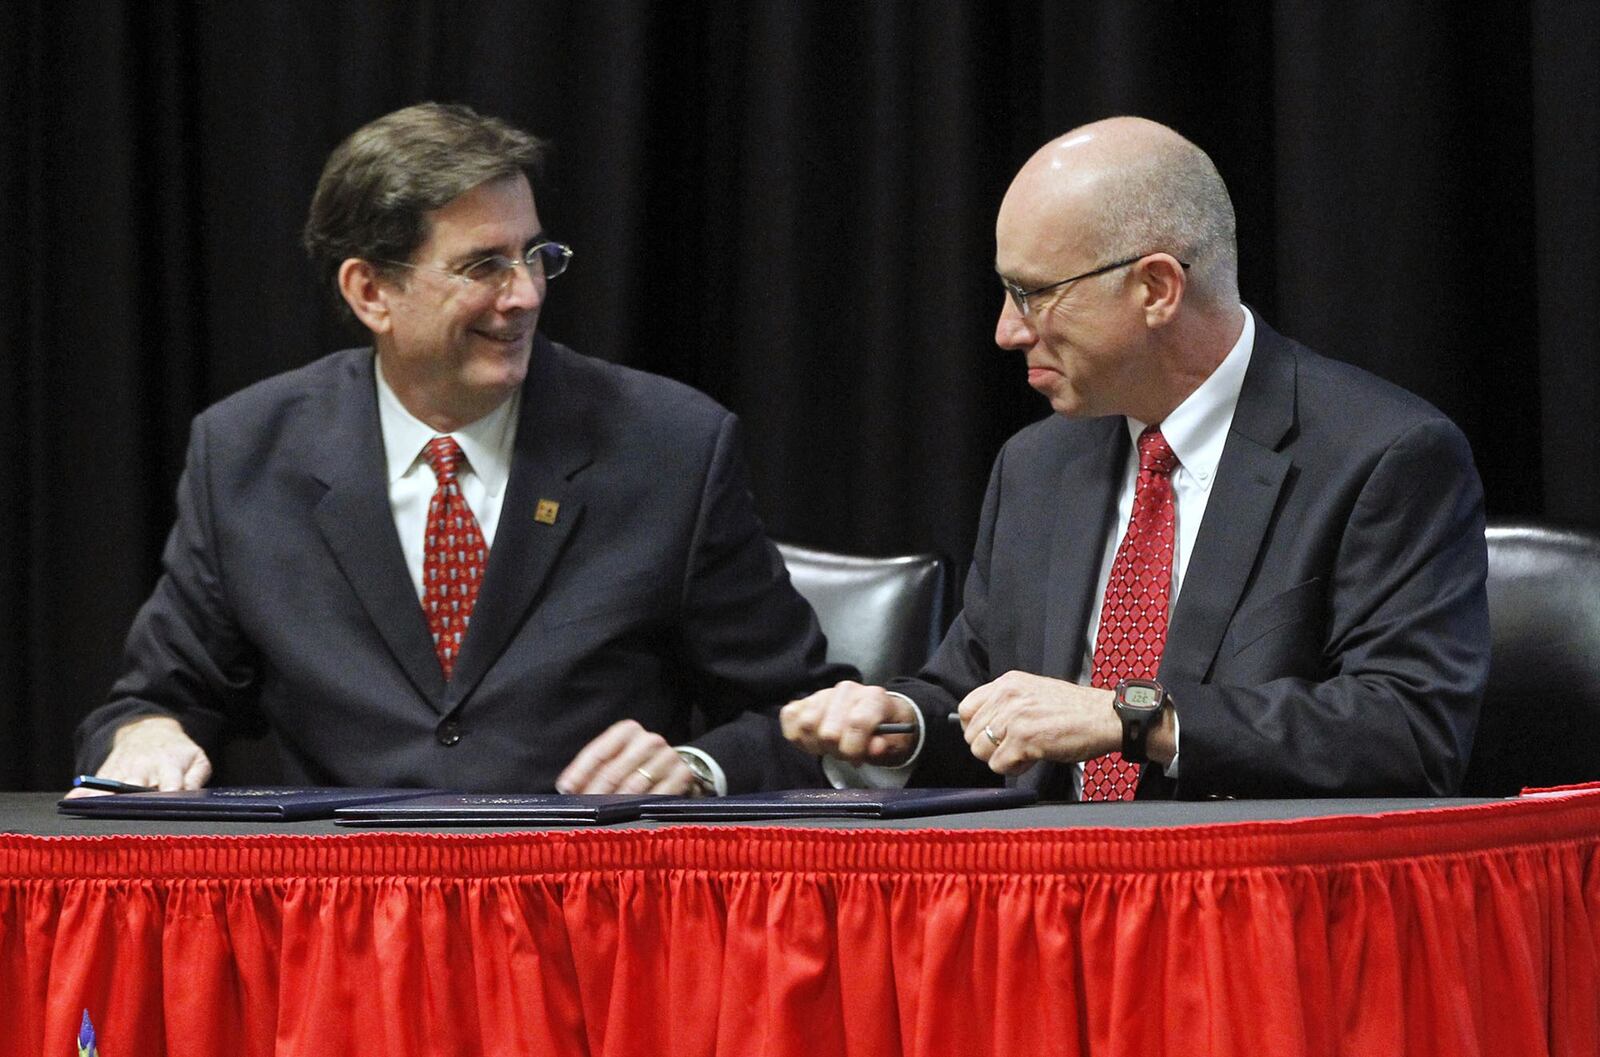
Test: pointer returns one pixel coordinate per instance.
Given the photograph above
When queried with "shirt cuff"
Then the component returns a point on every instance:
(845, 775)
(1171, 769)
(718, 778)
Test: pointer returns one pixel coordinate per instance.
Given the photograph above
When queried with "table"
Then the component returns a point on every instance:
(1270, 928)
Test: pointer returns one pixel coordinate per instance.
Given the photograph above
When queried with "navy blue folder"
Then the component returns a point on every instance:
(501, 809)
(232, 804)
(837, 803)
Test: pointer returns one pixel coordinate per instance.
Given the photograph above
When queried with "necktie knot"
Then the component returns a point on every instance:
(445, 456)
(1155, 454)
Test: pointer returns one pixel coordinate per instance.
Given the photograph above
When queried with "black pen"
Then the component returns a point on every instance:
(110, 785)
(908, 728)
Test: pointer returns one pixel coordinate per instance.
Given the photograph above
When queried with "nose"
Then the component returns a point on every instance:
(524, 289)
(1013, 330)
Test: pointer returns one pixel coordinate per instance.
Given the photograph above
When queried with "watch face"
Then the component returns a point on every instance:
(1141, 696)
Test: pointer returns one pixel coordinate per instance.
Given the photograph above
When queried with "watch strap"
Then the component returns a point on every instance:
(1136, 734)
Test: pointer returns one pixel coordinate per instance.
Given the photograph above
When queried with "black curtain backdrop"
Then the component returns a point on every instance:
(786, 204)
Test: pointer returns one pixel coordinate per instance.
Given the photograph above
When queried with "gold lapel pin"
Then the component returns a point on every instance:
(545, 513)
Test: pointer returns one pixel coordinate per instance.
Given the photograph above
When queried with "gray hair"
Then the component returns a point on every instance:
(1171, 198)
(380, 183)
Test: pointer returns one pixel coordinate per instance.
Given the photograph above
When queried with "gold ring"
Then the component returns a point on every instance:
(990, 733)
(647, 775)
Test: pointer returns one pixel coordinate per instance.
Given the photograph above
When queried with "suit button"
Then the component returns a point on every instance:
(449, 732)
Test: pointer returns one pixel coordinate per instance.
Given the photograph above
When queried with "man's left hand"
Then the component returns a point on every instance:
(626, 758)
(1019, 719)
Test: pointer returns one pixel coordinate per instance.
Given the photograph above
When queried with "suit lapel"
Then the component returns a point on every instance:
(554, 441)
(1249, 480)
(357, 523)
(1088, 483)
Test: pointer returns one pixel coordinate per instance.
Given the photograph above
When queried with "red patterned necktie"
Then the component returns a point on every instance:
(453, 555)
(1133, 620)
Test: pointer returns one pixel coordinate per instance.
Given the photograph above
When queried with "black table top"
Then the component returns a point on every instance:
(35, 814)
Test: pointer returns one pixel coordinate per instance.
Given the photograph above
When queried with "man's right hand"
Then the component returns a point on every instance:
(153, 751)
(840, 722)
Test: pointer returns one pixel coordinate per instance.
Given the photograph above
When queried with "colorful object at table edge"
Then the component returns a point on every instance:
(86, 1039)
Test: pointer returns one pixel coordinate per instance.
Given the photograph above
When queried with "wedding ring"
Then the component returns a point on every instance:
(990, 733)
(647, 775)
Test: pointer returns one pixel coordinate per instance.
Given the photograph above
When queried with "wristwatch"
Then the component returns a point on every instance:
(705, 783)
(1138, 703)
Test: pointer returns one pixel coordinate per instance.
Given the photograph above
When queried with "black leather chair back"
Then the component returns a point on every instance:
(1540, 724)
(883, 615)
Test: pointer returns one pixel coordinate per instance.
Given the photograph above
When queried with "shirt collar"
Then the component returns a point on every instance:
(1197, 429)
(487, 443)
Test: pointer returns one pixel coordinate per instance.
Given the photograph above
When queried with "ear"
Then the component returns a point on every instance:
(1164, 282)
(366, 293)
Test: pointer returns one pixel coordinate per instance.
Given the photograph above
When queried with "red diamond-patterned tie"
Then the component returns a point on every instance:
(1133, 620)
(453, 555)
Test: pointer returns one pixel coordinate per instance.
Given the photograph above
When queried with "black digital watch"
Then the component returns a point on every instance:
(1138, 703)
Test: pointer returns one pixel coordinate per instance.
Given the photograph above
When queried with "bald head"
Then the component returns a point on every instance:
(1121, 187)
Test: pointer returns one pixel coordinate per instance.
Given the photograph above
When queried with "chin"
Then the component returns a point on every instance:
(499, 373)
(1067, 403)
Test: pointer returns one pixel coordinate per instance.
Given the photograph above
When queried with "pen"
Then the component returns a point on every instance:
(908, 728)
(109, 785)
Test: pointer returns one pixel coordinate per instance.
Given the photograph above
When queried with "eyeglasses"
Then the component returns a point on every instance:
(1019, 296)
(544, 260)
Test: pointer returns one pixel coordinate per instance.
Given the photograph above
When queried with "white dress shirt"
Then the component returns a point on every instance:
(1196, 430)
(487, 444)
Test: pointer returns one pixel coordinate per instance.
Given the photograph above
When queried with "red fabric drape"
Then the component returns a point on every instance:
(1464, 931)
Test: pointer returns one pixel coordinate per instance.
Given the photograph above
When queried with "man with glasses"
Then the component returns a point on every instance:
(467, 557)
(1225, 567)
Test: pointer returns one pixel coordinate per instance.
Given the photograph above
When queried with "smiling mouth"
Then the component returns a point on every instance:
(502, 339)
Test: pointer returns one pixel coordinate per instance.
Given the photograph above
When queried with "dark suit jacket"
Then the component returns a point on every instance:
(1331, 636)
(285, 600)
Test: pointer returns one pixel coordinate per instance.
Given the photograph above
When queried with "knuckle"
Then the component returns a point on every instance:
(862, 711)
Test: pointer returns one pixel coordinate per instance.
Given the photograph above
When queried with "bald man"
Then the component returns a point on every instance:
(1225, 567)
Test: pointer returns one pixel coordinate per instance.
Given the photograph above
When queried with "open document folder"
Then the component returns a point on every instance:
(233, 804)
(503, 809)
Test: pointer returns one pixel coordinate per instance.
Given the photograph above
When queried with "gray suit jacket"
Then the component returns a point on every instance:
(285, 603)
(1331, 636)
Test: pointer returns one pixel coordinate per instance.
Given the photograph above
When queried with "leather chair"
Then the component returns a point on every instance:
(1540, 724)
(883, 615)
